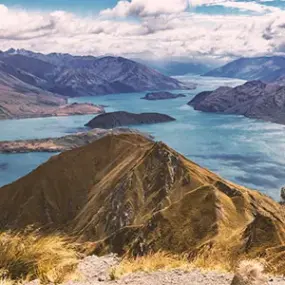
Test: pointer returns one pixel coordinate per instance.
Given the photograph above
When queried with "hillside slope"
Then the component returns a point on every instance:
(134, 195)
(19, 98)
(75, 76)
(267, 69)
(254, 99)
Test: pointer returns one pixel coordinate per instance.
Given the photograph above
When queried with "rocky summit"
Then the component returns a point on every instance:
(133, 195)
(253, 99)
(121, 118)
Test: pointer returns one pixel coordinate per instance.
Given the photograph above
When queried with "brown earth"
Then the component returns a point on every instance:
(22, 100)
(132, 195)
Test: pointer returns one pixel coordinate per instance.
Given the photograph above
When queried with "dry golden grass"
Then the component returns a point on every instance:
(150, 263)
(250, 272)
(6, 282)
(28, 256)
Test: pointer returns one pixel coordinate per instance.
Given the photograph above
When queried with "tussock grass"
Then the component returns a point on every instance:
(26, 256)
(6, 282)
(250, 272)
(220, 259)
(150, 263)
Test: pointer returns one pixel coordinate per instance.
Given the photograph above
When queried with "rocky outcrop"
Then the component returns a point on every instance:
(60, 144)
(162, 96)
(254, 99)
(118, 119)
(133, 195)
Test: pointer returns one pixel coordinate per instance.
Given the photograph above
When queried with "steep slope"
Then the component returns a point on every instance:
(134, 195)
(254, 99)
(281, 80)
(87, 76)
(19, 99)
(267, 69)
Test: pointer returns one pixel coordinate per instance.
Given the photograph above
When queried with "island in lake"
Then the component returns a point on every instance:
(121, 118)
(62, 143)
(161, 96)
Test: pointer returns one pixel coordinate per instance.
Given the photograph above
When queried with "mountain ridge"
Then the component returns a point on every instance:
(75, 76)
(254, 99)
(132, 195)
(20, 99)
(267, 69)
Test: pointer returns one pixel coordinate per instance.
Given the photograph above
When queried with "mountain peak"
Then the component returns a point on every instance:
(133, 194)
(75, 76)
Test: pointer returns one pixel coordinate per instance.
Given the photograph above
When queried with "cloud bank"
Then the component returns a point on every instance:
(145, 8)
(161, 31)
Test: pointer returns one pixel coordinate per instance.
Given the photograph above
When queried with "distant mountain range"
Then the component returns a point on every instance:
(75, 76)
(37, 85)
(254, 99)
(176, 68)
(267, 69)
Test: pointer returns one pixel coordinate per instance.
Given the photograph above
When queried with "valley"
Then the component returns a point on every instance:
(228, 145)
(93, 159)
(142, 142)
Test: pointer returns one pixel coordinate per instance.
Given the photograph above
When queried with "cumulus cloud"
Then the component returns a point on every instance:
(184, 35)
(144, 8)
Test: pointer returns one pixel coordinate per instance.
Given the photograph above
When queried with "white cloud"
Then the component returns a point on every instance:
(144, 8)
(184, 35)
(248, 6)
(253, 6)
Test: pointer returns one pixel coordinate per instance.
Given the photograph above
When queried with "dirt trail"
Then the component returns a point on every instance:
(96, 271)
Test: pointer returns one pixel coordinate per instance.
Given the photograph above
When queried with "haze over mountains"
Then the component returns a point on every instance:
(177, 67)
(267, 69)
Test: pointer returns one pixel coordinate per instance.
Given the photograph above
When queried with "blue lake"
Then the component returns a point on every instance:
(246, 151)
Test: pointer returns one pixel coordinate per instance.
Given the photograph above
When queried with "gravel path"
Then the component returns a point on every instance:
(95, 270)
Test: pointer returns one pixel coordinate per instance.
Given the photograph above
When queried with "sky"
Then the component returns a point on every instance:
(193, 30)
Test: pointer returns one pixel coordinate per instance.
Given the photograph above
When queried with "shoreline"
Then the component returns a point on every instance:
(60, 144)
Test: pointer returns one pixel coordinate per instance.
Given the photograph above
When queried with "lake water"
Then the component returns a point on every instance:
(246, 151)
